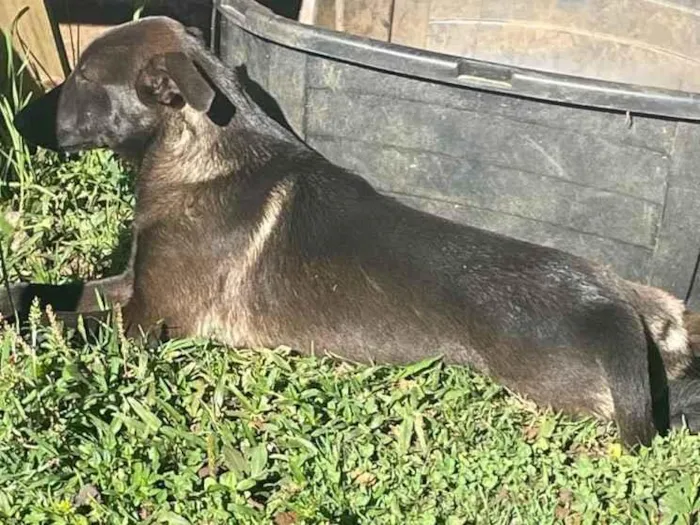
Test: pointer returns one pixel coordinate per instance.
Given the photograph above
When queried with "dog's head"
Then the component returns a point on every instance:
(125, 83)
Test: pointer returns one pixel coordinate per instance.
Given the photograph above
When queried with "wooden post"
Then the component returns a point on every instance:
(409, 25)
(368, 18)
(308, 12)
(34, 39)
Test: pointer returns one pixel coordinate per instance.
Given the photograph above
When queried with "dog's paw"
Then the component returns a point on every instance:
(688, 418)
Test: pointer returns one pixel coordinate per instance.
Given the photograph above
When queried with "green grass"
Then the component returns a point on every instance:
(103, 431)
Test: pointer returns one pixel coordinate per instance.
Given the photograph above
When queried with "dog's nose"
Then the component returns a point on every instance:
(37, 121)
(21, 123)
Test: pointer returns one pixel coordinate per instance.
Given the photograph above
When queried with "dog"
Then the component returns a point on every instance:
(245, 234)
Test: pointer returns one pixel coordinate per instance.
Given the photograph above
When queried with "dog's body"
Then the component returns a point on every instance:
(247, 235)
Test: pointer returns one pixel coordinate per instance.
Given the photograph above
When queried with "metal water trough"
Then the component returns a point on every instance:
(603, 170)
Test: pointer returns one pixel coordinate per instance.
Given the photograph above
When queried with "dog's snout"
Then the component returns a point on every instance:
(68, 118)
(37, 121)
(22, 124)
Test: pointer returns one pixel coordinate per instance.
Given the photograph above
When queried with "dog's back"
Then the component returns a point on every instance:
(315, 258)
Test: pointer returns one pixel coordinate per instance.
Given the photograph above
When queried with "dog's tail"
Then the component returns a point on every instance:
(663, 318)
(673, 368)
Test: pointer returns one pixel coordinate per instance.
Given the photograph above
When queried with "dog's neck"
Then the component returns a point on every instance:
(189, 152)
(192, 147)
(189, 148)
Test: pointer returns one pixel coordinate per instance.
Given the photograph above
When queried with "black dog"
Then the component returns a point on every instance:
(246, 234)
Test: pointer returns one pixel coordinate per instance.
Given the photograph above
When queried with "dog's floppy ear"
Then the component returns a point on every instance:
(172, 79)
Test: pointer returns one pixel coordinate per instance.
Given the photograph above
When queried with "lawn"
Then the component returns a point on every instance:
(100, 430)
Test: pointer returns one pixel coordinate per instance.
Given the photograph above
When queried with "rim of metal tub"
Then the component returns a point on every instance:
(459, 71)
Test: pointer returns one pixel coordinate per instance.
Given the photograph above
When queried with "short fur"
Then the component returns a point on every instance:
(246, 234)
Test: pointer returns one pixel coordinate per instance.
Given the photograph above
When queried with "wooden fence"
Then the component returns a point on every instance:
(51, 34)
(34, 38)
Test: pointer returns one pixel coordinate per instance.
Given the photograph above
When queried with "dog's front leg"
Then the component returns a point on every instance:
(70, 298)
